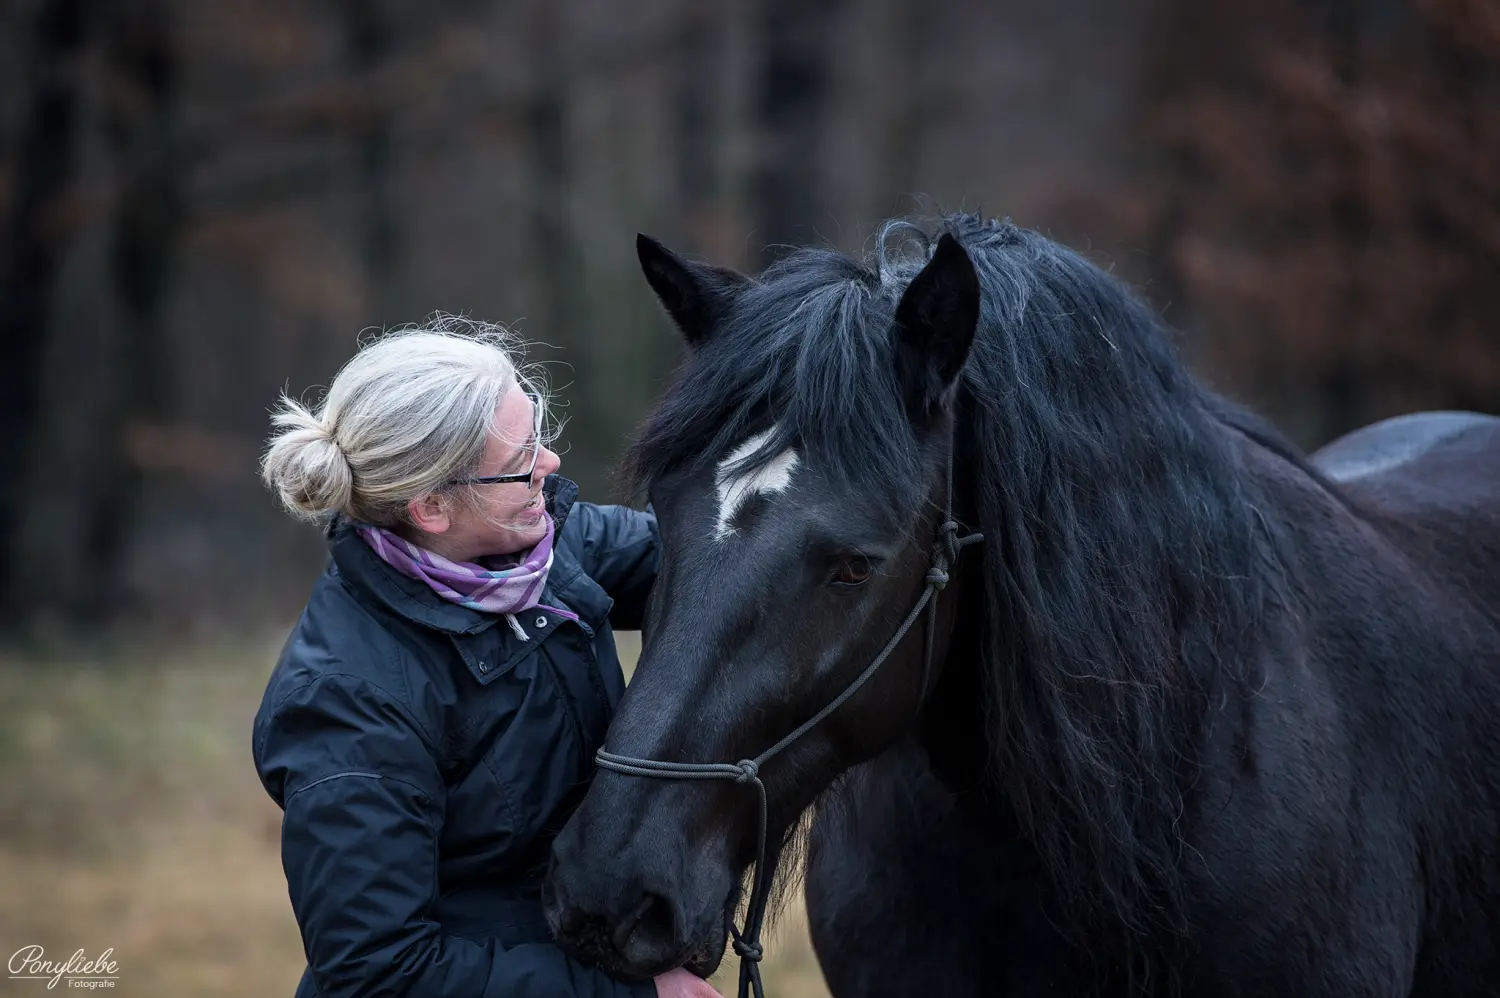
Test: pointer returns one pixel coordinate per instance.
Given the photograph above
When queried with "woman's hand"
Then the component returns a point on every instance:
(682, 983)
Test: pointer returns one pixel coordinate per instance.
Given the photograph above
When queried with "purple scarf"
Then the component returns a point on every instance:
(513, 585)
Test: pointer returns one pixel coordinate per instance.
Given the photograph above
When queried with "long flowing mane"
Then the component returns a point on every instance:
(1127, 560)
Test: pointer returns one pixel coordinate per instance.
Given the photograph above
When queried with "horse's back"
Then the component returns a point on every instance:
(1434, 478)
(1463, 446)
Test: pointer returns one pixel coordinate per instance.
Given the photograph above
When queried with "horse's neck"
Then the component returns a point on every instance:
(951, 727)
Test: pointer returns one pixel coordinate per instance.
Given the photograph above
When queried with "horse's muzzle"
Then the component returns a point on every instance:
(622, 910)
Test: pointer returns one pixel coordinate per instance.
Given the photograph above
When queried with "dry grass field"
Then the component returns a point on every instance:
(131, 819)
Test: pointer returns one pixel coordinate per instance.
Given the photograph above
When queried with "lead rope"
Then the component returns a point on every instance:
(746, 942)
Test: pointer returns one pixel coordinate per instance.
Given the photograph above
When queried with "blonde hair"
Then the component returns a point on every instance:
(411, 411)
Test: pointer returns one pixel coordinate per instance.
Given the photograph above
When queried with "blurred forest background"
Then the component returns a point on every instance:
(202, 203)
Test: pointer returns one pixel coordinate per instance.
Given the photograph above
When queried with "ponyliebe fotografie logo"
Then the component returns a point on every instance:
(30, 963)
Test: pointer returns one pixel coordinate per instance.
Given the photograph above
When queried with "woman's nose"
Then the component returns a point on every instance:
(549, 461)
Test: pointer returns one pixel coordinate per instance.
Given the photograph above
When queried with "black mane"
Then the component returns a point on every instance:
(1123, 565)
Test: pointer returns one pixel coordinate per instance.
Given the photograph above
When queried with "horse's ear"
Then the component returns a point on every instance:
(695, 295)
(935, 325)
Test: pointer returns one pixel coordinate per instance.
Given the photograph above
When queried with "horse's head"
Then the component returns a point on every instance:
(798, 470)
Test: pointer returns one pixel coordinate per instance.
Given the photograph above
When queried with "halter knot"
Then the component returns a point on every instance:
(747, 950)
(748, 771)
(936, 577)
(947, 542)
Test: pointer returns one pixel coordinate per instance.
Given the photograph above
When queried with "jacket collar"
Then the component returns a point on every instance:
(412, 598)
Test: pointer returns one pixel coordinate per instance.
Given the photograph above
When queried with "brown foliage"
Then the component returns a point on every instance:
(1330, 203)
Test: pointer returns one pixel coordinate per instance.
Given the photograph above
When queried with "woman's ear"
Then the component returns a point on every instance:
(429, 513)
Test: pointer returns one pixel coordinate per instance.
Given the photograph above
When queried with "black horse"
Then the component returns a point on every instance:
(1204, 716)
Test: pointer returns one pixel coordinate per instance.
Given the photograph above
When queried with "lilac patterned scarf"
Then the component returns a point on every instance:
(508, 585)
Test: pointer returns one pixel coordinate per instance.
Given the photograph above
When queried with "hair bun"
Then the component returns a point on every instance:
(305, 465)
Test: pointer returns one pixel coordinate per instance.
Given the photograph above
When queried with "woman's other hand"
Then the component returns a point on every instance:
(682, 983)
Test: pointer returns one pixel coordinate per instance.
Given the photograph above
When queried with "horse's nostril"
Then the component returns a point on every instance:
(650, 925)
(570, 921)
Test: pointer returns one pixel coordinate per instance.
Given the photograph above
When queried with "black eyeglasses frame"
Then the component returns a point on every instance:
(516, 477)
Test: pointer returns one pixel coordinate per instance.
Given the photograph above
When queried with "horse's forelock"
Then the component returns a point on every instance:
(807, 348)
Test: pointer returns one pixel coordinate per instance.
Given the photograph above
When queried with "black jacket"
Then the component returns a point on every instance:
(425, 757)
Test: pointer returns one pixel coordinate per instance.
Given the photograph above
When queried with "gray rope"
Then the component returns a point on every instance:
(746, 942)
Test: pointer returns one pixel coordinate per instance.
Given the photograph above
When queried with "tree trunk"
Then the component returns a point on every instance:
(142, 62)
(550, 172)
(790, 106)
(370, 44)
(911, 42)
(36, 236)
(692, 105)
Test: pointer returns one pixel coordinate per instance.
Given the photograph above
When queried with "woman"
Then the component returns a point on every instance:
(433, 719)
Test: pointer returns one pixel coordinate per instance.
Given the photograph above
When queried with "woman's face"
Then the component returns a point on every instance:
(505, 517)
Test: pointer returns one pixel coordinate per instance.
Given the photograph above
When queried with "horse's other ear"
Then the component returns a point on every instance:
(695, 295)
(935, 325)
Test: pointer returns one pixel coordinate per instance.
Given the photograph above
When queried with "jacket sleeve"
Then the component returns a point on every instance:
(621, 550)
(364, 804)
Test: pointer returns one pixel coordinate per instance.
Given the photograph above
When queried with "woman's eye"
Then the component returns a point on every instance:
(852, 572)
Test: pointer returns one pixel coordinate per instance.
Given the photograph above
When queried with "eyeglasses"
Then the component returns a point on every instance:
(536, 450)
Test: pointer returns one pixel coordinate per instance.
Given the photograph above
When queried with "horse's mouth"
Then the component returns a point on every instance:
(592, 948)
(706, 960)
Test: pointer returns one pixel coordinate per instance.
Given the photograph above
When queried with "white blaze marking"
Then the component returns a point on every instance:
(735, 489)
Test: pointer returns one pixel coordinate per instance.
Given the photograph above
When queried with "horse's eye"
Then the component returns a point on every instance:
(853, 571)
